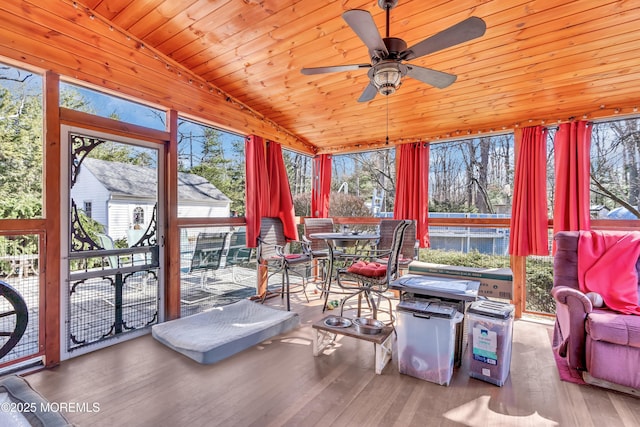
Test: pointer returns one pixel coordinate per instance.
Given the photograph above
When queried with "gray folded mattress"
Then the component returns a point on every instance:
(220, 332)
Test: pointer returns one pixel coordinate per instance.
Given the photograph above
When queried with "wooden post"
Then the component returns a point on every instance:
(519, 269)
(262, 282)
(171, 231)
(52, 281)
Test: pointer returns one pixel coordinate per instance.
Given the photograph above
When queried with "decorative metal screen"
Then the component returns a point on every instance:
(113, 262)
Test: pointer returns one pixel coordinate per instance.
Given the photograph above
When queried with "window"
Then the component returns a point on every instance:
(87, 209)
(101, 104)
(472, 175)
(363, 184)
(20, 143)
(138, 217)
(299, 175)
(615, 169)
(211, 171)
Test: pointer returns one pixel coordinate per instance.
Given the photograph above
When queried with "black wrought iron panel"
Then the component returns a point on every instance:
(105, 306)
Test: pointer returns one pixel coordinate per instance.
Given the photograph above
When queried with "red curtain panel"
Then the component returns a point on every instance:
(572, 145)
(256, 186)
(412, 188)
(321, 186)
(529, 235)
(280, 201)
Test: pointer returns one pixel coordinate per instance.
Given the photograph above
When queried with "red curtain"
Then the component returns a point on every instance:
(267, 188)
(256, 187)
(572, 145)
(321, 186)
(529, 232)
(412, 188)
(280, 201)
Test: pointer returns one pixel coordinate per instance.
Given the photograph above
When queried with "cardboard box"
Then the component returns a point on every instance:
(494, 282)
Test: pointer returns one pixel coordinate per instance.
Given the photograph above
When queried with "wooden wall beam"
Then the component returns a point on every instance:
(51, 320)
(171, 230)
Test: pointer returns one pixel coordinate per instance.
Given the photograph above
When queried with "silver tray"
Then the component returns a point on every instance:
(337, 322)
(368, 326)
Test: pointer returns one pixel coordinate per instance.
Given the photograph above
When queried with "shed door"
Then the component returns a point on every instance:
(114, 256)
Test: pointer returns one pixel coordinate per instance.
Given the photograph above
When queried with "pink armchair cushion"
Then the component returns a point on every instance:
(605, 325)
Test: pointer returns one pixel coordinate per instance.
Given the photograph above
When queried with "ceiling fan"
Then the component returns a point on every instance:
(387, 55)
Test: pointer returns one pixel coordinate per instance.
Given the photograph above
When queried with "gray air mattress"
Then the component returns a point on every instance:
(215, 334)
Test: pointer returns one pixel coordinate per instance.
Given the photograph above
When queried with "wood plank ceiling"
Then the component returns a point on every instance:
(540, 61)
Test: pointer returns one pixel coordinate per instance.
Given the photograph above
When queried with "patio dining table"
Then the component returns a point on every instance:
(341, 240)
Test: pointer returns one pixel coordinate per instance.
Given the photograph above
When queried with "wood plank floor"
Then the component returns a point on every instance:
(143, 383)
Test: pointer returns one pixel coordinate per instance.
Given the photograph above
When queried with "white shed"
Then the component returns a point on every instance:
(122, 195)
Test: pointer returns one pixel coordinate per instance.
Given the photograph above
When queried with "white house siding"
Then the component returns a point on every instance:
(89, 189)
(217, 210)
(121, 216)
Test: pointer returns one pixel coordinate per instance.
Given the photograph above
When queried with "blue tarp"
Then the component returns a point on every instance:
(621, 213)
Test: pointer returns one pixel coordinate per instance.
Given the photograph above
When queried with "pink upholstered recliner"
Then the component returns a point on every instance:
(601, 343)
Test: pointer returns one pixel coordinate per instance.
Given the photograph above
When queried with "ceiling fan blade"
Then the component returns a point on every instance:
(361, 22)
(431, 77)
(334, 69)
(369, 93)
(461, 32)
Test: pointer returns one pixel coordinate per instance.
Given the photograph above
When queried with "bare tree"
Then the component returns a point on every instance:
(615, 164)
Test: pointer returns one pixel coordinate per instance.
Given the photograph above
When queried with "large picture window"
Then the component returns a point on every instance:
(102, 104)
(472, 175)
(211, 171)
(20, 143)
(363, 184)
(615, 169)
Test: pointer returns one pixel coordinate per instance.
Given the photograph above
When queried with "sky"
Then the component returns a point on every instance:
(109, 106)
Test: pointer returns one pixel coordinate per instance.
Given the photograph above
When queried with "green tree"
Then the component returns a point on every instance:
(20, 149)
(236, 171)
(225, 170)
(121, 153)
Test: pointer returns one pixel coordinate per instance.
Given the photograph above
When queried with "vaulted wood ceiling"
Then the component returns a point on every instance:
(539, 62)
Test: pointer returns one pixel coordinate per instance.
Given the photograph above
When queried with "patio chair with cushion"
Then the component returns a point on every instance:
(273, 252)
(319, 247)
(371, 278)
(409, 246)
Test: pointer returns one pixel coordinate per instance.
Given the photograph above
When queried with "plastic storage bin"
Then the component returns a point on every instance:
(427, 339)
(490, 337)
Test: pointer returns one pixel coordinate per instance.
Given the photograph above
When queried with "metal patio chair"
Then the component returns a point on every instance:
(273, 252)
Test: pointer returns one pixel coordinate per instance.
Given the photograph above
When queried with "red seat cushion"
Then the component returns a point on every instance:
(368, 269)
(356, 267)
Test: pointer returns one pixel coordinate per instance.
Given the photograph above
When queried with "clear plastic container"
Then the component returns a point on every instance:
(427, 340)
(490, 336)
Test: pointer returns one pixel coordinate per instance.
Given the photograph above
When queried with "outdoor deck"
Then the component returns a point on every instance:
(92, 307)
(279, 382)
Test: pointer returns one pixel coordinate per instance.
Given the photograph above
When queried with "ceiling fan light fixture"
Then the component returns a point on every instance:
(387, 78)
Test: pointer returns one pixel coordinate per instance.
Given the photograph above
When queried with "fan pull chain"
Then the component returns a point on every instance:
(387, 120)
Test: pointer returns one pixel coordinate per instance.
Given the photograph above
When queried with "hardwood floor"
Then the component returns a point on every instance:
(279, 382)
